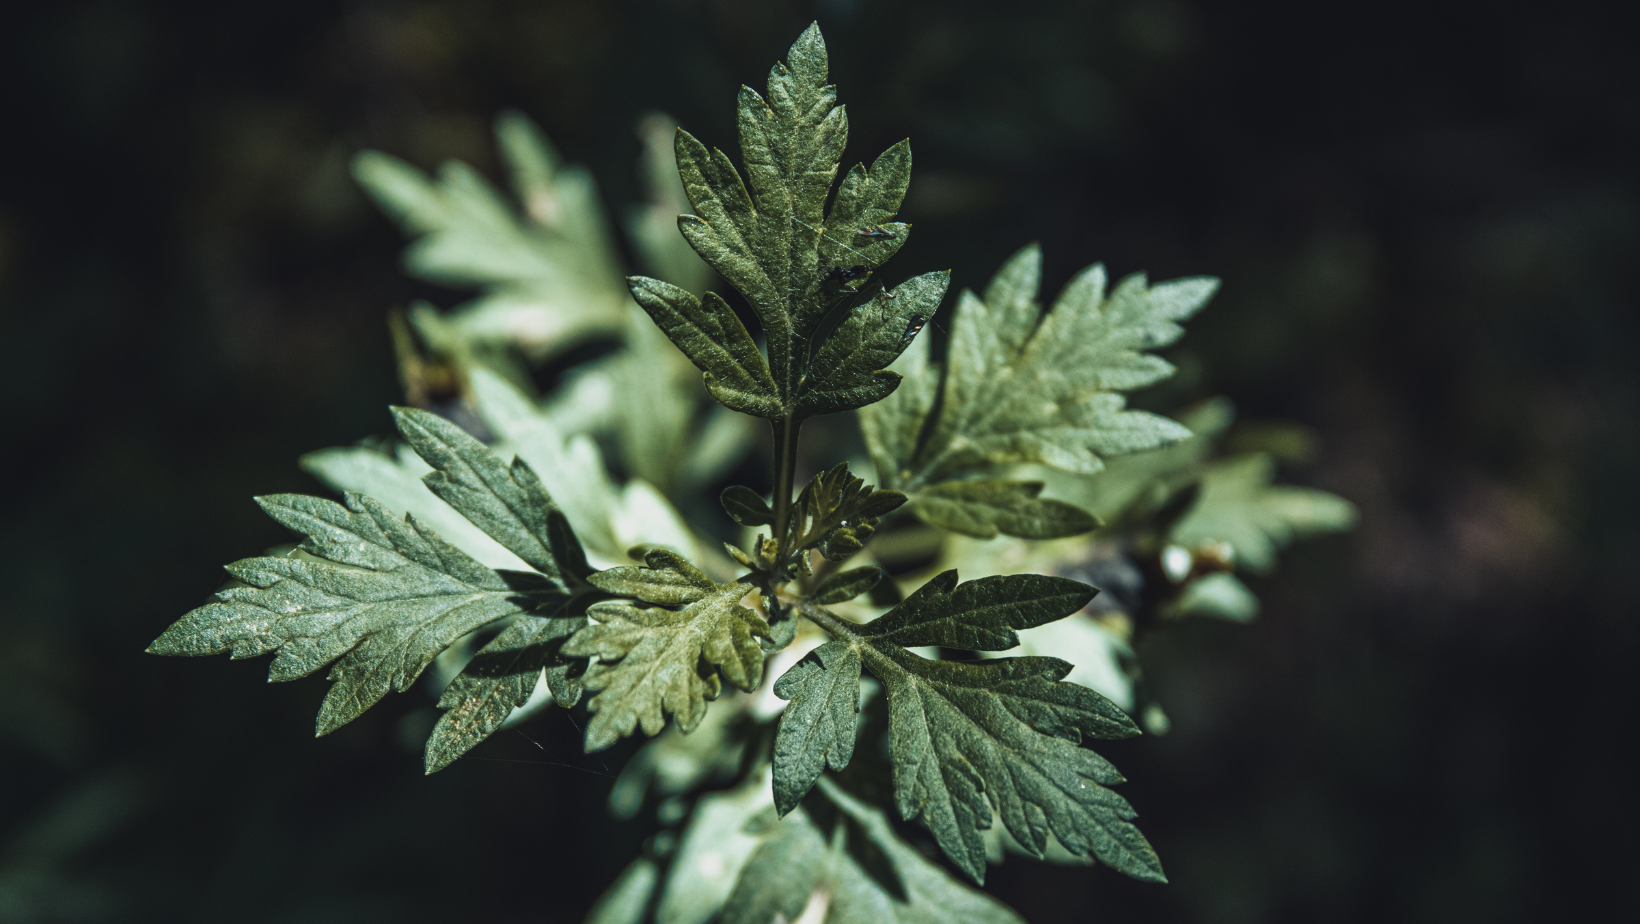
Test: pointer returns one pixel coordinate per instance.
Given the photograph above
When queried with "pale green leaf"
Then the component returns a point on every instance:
(388, 598)
(724, 831)
(893, 427)
(1219, 595)
(1240, 505)
(984, 508)
(653, 229)
(654, 661)
(1023, 387)
(627, 899)
(866, 875)
(394, 480)
(547, 268)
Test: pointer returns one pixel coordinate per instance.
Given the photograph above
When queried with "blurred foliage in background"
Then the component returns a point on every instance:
(1425, 216)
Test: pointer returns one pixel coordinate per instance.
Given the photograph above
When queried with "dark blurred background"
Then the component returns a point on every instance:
(1427, 219)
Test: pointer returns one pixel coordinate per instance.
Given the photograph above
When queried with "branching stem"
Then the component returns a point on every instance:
(834, 625)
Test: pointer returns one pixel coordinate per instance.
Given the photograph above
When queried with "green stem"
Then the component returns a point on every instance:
(834, 625)
(785, 474)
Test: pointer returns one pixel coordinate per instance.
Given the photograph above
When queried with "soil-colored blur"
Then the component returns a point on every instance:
(1426, 216)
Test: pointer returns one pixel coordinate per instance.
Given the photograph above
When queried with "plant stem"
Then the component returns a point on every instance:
(834, 625)
(785, 474)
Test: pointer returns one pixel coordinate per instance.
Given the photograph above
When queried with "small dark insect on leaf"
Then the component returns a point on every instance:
(914, 328)
(842, 273)
(876, 232)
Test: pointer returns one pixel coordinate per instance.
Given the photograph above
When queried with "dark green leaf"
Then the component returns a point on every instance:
(965, 736)
(772, 238)
(394, 598)
(818, 728)
(978, 615)
(711, 335)
(837, 512)
(502, 676)
(848, 372)
(745, 506)
(984, 508)
(846, 585)
(655, 661)
(507, 502)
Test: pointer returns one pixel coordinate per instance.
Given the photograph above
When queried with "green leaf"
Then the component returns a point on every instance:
(837, 512)
(1020, 386)
(746, 507)
(627, 898)
(967, 736)
(389, 596)
(850, 370)
(654, 661)
(546, 265)
(394, 480)
(507, 502)
(984, 508)
(669, 580)
(1219, 595)
(978, 615)
(710, 334)
(1239, 505)
(893, 427)
(846, 585)
(724, 831)
(653, 229)
(771, 237)
(501, 677)
(867, 875)
(818, 728)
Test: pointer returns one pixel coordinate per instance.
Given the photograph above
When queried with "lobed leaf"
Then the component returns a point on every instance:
(846, 585)
(1020, 386)
(865, 875)
(967, 736)
(772, 238)
(503, 676)
(983, 509)
(1239, 504)
(711, 335)
(389, 596)
(818, 728)
(654, 661)
(507, 502)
